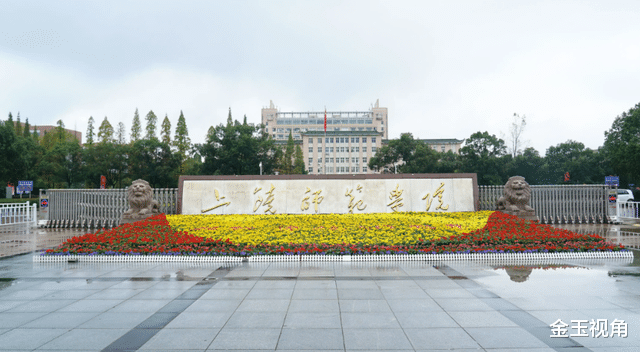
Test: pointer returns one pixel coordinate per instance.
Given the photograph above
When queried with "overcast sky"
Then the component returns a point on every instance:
(445, 69)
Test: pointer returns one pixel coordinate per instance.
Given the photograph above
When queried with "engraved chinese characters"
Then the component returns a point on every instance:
(317, 199)
(326, 196)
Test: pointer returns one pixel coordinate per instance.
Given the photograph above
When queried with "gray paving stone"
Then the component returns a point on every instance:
(317, 293)
(440, 338)
(28, 339)
(375, 339)
(83, 339)
(60, 320)
(504, 337)
(241, 339)
(306, 305)
(14, 320)
(310, 339)
(182, 339)
(312, 320)
(425, 320)
(113, 320)
(376, 320)
(246, 320)
(364, 305)
(481, 319)
(355, 293)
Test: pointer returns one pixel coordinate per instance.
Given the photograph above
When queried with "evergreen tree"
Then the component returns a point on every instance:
(165, 131)
(136, 128)
(105, 132)
(298, 162)
(152, 120)
(181, 139)
(26, 132)
(121, 135)
(10, 124)
(18, 126)
(287, 158)
(90, 132)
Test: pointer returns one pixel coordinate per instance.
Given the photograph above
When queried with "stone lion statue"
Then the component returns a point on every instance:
(141, 202)
(517, 194)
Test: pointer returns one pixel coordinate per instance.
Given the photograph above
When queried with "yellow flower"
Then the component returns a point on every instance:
(376, 228)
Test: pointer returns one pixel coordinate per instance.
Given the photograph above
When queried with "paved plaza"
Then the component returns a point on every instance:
(375, 306)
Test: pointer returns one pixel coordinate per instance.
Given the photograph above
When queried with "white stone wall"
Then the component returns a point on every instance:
(303, 196)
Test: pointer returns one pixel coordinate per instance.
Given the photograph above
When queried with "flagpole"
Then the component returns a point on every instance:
(325, 140)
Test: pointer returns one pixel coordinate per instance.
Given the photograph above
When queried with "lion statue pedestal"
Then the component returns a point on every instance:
(141, 203)
(515, 201)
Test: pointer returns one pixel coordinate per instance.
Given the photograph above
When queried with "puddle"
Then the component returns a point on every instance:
(5, 282)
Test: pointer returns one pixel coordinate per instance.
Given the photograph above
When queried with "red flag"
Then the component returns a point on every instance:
(325, 119)
(566, 176)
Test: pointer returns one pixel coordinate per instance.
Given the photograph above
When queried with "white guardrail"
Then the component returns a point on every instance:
(18, 213)
(627, 212)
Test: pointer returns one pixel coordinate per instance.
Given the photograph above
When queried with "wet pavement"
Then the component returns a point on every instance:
(305, 306)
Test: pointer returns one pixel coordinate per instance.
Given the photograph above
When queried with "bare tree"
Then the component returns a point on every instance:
(517, 127)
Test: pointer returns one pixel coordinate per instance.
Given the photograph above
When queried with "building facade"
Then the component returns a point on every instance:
(350, 140)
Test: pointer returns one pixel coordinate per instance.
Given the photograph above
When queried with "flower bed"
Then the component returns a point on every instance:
(365, 234)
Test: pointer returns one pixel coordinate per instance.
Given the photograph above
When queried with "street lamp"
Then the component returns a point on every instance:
(396, 167)
(261, 168)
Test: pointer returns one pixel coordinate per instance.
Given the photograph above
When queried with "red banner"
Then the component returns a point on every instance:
(325, 120)
(103, 182)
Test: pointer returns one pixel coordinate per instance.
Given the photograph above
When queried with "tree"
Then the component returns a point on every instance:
(165, 131)
(237, 149)
(121, 135)
(485, 154)
(286, 164)
(10, 124)
(517, 127)
(105, 132)
(136, 129)
(10, 157)
(622, 146)
(18, 126)
(181, 139)
(397, 151)
(90, 128)
(530, 165)
(151, 125)
(152, 160)
(583, 164)
(298, 162)
(26, 132)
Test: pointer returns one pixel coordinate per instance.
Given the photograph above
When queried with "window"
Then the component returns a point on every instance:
(374, 149)
(373, 140)
(310, 140)
(364, 169)
(310, 149)
(319, 149)
(273, 130)
(364, 159)
(364, 149)
(364, 139)
(354, 169)
(319, 170)
(319, 140)
(330, 160)
(319, 161)
(326, 140)
(354, 160)
(353, 139)
(353, 149)
(310, 169)
(331, 140)
(357, 149)
(442, 148)
(310, 161)
(330, 169)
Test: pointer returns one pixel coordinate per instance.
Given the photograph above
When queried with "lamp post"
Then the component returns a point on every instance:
(261, 168)
(396, 167)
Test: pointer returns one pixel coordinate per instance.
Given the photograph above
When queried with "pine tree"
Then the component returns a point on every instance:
(298, 161)
(136, 128)
(121, 135)
(165, 131)
(26, 132)
(181, 139)
(287, 159)
(18, 126)
(90, 133)
(152, 120)
(105, 132)
(10, 123)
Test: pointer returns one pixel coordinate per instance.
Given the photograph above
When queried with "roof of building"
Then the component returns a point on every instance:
(341, 133)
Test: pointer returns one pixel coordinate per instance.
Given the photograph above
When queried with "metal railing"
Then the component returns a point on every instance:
(627, 211)
(16, 221)
(97, 208)
(558, 204)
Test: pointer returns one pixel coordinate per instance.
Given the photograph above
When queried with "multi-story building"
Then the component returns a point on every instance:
(350, 140)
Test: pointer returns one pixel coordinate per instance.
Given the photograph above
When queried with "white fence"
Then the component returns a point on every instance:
(558, 204)
(89, 208)
(627, 211)
(16, 221)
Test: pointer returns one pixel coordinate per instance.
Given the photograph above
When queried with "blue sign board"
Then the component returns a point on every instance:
(24, 187)
(612, 181)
